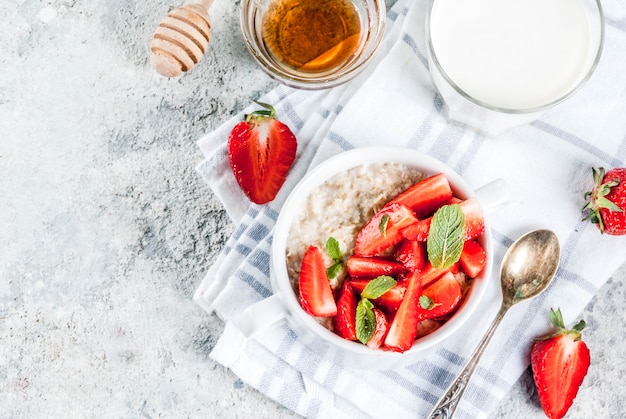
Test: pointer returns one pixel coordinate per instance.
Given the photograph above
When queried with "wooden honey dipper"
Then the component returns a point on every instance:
(181, 39)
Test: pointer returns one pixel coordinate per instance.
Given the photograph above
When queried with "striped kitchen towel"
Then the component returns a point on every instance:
(546, 163)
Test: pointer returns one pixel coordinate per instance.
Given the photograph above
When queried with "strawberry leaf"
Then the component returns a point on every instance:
(365, 320)
(378, 286)
(445, 238)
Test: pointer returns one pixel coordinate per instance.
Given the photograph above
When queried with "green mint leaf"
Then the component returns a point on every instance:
(426, 302)
(332, 247)
(378, 286)
(382, 226)
(445, 238)
(365, 320)
(333, 270)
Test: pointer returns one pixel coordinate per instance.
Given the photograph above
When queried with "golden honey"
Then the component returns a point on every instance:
(312, 36)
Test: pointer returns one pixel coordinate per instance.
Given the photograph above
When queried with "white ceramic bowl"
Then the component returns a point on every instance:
(285, 304)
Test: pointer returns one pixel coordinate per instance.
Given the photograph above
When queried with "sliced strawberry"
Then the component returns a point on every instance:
(389, 301)
(345, 321)
(418, 231)
(412, 254)
(383, 230)
(380, 333)
(426, 196)
(559, 362)
(445, 295)
(474, 221)
(363, 267)
(473, 258)
(403, 328)
(426, 327)
(316, 296)
(261, 150)
(428, 275)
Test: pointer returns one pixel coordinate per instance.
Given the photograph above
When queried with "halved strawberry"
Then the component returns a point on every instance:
(473, 258)
(559, 362)
(316, 296)
(261, 150)
(428, 275)
(426, 196)
(345, 321)
(382, 328)
(445, 295)
(364, 267)
(412, 254)
(383, 230)
(403, 328)
(389, 301)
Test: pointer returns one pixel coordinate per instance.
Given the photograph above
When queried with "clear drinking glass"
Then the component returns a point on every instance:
(291, 49)
(546, 65)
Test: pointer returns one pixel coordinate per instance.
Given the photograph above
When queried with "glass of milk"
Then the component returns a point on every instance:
(502, 63)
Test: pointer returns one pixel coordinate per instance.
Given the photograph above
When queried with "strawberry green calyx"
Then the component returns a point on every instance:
(268, 112)
(596, 198)
(556, 318)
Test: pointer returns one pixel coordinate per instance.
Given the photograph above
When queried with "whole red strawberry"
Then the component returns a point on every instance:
(606, 203)
(261, 150)
(559, 362)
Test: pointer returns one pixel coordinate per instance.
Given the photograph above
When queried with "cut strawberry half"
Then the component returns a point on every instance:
(382, 328)
(345, 321)
(403, 328)
(445, 295)
(383, 230)
(364, 267)
(261, 150)
(426, 196)
(473, 258)
(429, 274)
(389, 301)
(316, 296)
(412, 254)
(559, 362)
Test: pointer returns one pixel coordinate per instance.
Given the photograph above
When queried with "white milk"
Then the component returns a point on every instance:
(513, 54)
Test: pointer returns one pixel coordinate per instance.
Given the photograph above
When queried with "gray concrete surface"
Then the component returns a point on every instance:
(106, 230)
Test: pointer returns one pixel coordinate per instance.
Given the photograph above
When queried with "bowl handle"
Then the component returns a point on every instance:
(261, 316)
(493, 195)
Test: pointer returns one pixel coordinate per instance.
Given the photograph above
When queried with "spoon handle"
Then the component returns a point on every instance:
(445, 407)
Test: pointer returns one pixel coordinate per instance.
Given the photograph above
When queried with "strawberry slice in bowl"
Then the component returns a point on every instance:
(316, 296)
(384, 230)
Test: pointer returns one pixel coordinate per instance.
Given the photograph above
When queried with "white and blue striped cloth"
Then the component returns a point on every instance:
(546, 163)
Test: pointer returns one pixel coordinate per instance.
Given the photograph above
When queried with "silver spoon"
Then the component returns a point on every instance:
(527, 268)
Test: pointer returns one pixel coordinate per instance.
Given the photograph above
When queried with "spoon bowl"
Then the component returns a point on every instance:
(528, 267)
(520, 279)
